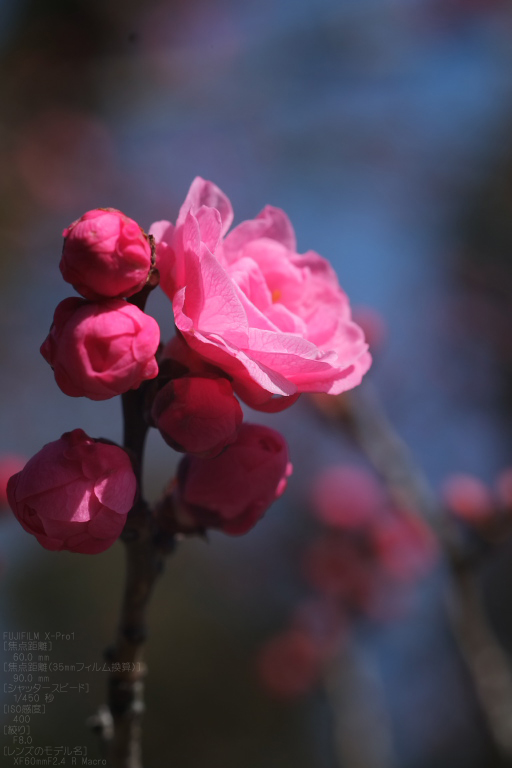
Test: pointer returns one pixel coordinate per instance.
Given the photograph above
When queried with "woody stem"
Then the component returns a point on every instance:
(144, 562)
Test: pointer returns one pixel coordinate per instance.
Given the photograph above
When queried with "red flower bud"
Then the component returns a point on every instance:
(197, 415)
(233, 491)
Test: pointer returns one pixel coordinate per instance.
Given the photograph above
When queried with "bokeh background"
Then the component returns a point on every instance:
(383, 128)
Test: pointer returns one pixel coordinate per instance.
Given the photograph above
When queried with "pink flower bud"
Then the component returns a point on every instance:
(101, 350)
(289, 664)
(234, 490)
(197, 415)
(105, 255)
(74, 494)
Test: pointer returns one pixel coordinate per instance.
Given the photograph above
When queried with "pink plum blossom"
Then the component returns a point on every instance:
(277, 322)
(197, 415)
(233, 491)
(101, 350)
(74, 494)
(105, 255)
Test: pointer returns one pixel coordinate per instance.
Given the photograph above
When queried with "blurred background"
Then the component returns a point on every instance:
(383, 129)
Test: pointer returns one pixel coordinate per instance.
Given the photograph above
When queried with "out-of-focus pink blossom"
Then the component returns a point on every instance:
(66, 158)
(468, 498)
(289, 664)
(338, 566)
(74, 494)
(367, 568)
(233, 491)
(197, 415)
(275, 321)
(404, 545)
(9, 465)
(324, 621)
(101, 350)
(372, 324)
(346, 496)
(504, 488)
(105, 255)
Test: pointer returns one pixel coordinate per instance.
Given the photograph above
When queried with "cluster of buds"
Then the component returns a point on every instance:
(76, 492)
(102, 346)
(254, 320)
(361, 565)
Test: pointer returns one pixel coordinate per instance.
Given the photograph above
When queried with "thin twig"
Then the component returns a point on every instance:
(144, 562)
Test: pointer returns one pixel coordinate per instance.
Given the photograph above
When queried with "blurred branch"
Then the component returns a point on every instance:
(359, 414)
(362, 731)
(486, 660)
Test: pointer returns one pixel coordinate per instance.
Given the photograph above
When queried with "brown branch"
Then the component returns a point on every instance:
(144, 562)
(360, 415)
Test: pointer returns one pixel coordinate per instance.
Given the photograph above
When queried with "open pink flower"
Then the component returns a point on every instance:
(74, 494)
(101, 350)
(105, 255)
(275, 321)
